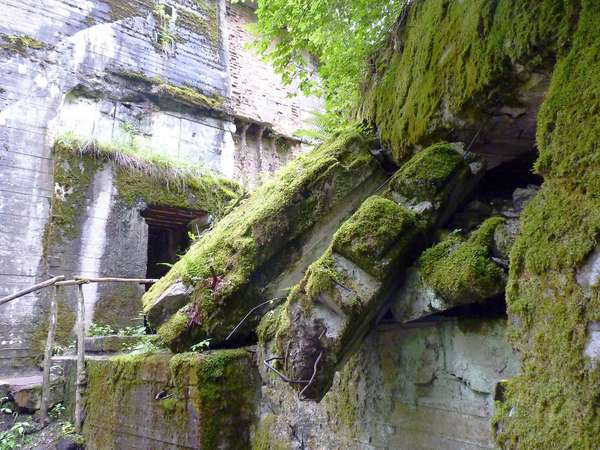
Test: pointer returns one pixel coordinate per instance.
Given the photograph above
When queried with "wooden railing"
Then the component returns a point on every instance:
(58, 283)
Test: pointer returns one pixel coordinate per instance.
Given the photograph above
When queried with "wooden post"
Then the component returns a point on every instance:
(81, 376)
(48, 354)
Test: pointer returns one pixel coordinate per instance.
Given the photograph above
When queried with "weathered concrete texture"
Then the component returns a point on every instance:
(98, 68)
(109, 240)
(161, 401)
(331, 309)
(426, 387)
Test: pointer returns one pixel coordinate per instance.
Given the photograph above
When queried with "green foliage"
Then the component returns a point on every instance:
(57, 411)
(132, 331)
(201, 346)
(337, 36)
(14, 437)
(97, 329)
(146, 345)
(164, 37)
(325, 125)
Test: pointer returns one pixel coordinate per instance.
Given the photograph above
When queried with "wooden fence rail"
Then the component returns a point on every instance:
(59, 283)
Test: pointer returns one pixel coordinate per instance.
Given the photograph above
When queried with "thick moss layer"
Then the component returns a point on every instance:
(462, 271)
(554, 402)
(222, 264)
(65, 321)
(454, 59)
(379, 233)
(139, 175)
(211, 399)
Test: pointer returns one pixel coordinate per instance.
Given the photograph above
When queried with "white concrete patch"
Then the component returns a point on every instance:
(592, 347)
(589, 274)
(93, 238)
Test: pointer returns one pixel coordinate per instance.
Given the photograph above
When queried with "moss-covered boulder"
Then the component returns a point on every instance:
(238, 264)
(452, 273)
(165, 401)
(332, 307)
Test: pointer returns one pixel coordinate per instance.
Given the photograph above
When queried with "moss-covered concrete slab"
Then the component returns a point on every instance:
(452, 273)
(165, 401)
(457, 68)
(333, 306)
(278, 230)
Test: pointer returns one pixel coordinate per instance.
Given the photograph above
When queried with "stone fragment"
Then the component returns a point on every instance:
(416, 299)
(333, 307)
(521, 196)
(169, 302)
(589, 274)
(26, 392)
(111, 344)
(504, 238)
(592, 346)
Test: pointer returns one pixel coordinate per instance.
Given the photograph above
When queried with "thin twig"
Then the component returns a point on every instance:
(250, 313)
(282, 376)
(287, 353)
(301, 393)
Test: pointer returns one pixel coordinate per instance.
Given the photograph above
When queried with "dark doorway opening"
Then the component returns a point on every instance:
(169, 236)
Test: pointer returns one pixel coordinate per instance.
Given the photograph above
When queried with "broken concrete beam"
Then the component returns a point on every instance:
(263, 247)
(332, 308)
(452, 273)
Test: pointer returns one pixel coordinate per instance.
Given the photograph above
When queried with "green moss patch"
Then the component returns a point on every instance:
(222, 263)
(72, 178)
(21, 43)
(185, 94)
(462, 271)
(65, 321)
(380, 232)
(426, 175)
(454, 59)
(203, 20)
(554, 402)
